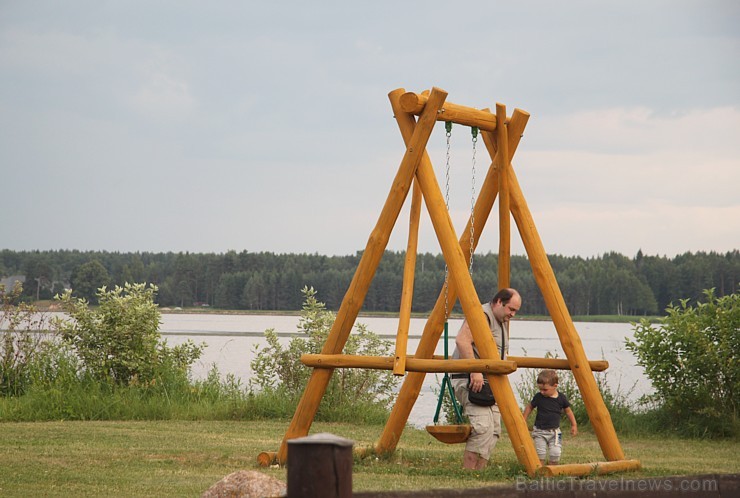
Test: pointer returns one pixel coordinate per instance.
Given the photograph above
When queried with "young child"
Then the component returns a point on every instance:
(549, 404)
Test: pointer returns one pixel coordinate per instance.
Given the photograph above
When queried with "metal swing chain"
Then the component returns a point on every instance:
(474, 131)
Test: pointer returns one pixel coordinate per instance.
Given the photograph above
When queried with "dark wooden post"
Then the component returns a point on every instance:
(320, 466)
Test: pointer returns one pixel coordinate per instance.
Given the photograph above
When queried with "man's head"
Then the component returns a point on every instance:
(506, 304)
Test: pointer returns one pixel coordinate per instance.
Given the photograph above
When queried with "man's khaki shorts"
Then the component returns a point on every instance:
(484, 420)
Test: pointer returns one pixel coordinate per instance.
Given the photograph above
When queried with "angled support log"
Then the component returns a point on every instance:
(407, 294)
(355, 296)
(411, 387)
(598, 414)
(504, 219)
(458, 269)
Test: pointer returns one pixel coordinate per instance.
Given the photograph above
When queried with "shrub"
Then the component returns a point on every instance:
(691, 359)
(119, 341)
(278, 370)
(22, 338)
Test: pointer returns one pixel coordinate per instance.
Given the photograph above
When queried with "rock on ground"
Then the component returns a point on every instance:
(247, 484)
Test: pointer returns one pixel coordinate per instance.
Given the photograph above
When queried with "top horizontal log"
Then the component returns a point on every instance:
(414, 103)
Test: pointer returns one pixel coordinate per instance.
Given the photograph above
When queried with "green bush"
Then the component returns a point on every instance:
(23, 335)
(351, 391)
(119, 341)
(691, 358)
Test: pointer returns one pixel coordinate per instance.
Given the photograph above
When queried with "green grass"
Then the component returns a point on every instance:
(184, 458)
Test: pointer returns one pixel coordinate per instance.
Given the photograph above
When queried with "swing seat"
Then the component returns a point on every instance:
(450, 434)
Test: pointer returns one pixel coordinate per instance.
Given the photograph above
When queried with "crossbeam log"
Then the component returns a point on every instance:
(536, 362)
(412, 364)
(413, 103)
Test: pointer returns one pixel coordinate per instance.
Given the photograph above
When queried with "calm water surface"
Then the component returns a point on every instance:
(231, 339)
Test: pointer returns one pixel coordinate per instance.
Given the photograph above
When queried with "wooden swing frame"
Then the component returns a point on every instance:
(501, 135)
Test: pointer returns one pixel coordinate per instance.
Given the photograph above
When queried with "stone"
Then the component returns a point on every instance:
(247, 484)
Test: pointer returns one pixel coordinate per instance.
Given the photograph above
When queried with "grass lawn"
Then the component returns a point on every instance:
(183, 458)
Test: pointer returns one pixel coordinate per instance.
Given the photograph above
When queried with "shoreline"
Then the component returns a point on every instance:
(47, 306)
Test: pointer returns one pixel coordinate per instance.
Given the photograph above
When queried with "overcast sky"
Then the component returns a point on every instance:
(266, 126)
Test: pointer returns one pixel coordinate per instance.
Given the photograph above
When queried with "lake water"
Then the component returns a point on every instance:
(230, 340)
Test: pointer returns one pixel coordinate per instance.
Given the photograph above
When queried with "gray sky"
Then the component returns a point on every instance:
(265, 126)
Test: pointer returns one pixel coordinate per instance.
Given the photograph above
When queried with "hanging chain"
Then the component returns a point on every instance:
(448, 134)
(474, 131)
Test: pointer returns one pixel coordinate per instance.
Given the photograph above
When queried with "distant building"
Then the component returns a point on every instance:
(9, 282)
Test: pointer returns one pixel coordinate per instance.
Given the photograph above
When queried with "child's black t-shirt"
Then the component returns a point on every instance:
(549, 410)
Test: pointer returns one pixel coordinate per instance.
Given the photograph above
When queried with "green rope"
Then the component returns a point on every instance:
(447, 387)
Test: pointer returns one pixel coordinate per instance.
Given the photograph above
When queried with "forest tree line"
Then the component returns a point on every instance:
(611, 284)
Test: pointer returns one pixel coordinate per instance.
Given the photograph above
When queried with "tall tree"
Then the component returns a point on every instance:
(88, 278)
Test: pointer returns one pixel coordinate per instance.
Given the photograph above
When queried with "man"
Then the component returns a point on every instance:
(485, 420)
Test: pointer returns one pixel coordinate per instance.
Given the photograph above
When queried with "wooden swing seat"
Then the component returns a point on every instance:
(450, 434)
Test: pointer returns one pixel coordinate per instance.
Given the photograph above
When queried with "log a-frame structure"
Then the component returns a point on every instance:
(501, 135)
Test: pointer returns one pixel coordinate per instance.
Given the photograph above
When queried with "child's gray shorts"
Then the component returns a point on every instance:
(545, 439)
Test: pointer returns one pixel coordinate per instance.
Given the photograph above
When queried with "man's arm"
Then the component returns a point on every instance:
(464, 343)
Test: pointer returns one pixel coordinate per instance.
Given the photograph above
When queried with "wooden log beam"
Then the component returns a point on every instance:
(544, 275)
(504, 245)
(433, 328)
(412, 364)
(536, 362)
(413, 103)
(458, 270)
(358, 288)
(407, 293)
(554, 363)
(267, 458)
(585, 469)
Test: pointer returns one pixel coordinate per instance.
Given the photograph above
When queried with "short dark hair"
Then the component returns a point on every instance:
(504, 295)
(548, 376)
